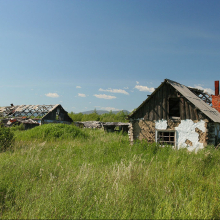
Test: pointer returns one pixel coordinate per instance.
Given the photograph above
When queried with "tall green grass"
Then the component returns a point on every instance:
(105, 177)
(52, 132)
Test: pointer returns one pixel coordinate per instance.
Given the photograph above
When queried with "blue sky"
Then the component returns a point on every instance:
(105, 54)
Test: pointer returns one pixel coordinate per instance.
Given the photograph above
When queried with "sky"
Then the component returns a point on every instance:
(105, 54)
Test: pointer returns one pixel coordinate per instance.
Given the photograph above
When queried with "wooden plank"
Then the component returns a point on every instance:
(151, 115)
(146, 117)
(187, 109)
(160, 104)
(192, 114)
(182, 109)
(196, 113)
(164, 102)
(155, 106)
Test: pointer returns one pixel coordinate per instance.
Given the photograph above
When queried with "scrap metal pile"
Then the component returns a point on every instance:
(108, 126)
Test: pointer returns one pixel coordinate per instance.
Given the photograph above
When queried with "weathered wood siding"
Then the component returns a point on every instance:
(157, 106)
(63, 115)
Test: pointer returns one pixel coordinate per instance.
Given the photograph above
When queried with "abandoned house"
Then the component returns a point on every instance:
(33, 115)
(178, 115)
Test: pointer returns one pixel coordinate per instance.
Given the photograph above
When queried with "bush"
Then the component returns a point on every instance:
(51, 132)
(6, 138)
(19, 127)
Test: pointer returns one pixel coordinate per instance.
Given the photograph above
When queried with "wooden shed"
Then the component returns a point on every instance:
(177, 115)
(116, 126)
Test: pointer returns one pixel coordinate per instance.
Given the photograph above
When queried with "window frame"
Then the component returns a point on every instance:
(165, 131)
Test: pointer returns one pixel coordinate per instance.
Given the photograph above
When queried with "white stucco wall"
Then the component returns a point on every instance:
(185, 130)
(161, 124)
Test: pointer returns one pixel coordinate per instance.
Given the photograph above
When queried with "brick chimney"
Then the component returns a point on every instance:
(216, 97)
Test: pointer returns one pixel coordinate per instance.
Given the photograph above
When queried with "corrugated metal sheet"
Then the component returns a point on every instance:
(210, 112)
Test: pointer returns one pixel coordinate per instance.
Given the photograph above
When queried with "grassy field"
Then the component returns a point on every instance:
(93, 174)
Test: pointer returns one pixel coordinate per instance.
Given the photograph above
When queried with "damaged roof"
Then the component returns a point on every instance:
(197, 97)
(26, 110)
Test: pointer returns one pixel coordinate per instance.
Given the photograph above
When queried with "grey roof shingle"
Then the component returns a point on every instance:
(210, 112)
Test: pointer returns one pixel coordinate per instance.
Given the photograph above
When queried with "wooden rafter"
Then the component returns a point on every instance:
(207, 98)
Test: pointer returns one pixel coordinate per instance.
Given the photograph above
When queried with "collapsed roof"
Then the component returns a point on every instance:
(26, 110)
(42, 112)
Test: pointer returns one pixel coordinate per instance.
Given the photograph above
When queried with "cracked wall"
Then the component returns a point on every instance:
(141, 129)
(190, 134)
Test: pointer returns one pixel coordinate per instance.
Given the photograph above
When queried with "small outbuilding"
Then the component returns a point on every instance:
(177, 115)
(33, 115)
(116, 126)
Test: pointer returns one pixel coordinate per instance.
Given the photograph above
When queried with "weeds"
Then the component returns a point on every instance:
(104, 177)
(52, 132)
(6, 138)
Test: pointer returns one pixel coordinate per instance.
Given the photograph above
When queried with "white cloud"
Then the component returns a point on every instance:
(208, 90)
(114, 91)
(144, 88)
(137, 82)
(104, 96)
(110, 109)
(78, 87)
(81, 95)
(126, 88)
(52, 95)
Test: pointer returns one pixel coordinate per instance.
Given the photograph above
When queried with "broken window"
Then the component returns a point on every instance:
(174, 107)
(166, 137)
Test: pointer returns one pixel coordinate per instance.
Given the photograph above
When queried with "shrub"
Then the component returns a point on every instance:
(19, 127)
(50, 132)
(6, 138)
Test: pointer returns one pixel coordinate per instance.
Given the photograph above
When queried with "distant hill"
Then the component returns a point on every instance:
(100, 112)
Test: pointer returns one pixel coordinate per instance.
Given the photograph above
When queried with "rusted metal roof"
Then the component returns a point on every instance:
(210, 112)
(26, 110)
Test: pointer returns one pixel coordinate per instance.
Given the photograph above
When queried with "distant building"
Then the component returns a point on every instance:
(33, 115)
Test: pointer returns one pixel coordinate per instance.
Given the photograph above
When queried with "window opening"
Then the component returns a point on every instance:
(58, 114)
(174, 107)
(166, 137)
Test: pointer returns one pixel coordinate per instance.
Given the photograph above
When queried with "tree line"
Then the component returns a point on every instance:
(106, 117)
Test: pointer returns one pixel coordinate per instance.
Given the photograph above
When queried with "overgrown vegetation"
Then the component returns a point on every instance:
(105, 177)
(107, 117)
(52, 132)
(6, 138)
